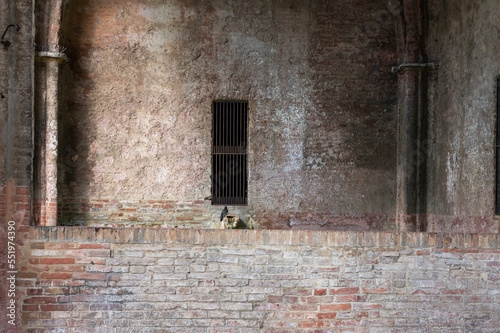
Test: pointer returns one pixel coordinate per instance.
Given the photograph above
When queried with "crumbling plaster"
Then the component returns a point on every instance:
(464, 37)
(136, 115)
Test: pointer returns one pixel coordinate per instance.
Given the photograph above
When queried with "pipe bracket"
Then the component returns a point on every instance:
(45, 56)
(431, 66)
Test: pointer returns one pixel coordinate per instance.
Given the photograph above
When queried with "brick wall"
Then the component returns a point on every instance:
(159, 213)
(15, 126)
(200, 214)
(138, 280)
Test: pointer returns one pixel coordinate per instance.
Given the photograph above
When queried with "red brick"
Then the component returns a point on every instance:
(23, 206)
(27, 275)
(489, 251)
(363, 314)
(419, 292)
(453, 292)
(57, 307)
(346, 323)
(350, 298)
(297, 292)
(275, 299)
(32, 292)
(77, 283)
(35, 315)
(374, 291)
(40, 268)
(321, 315)
(287, 315)
(40, 300)
(328, 315)
(366, 306)
(309, 324)
(354, 290)
(335, 307)
(320, 292)
(56, 291)
(290, 299)
(94, 246)
(185, 218)
(25, 283)
(90, 276)
(29, 308)
(318, 299)
(70, 268)
(23, 190)
(56, 276)
(302, 307)
(57, 261)
(54, 246)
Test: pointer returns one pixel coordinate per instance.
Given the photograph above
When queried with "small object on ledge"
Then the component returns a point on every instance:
(230, 222)
(250, 222)
(223, 213)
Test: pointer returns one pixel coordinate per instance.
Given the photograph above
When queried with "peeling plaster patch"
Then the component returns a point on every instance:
(162, 175)
(452, 178)
(292, 138)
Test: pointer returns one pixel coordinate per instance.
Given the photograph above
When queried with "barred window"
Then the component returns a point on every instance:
(229, 153)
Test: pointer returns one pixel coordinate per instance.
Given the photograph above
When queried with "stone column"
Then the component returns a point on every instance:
(48, 60)
(51, 143)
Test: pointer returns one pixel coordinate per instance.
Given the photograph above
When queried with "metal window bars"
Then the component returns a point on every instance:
(229, 153)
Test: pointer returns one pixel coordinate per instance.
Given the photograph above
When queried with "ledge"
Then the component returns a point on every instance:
(266, 237)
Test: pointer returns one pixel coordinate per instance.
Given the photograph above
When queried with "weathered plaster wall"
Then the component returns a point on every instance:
(136, 122)
(15, 134)
(464, 38)
(16, 99)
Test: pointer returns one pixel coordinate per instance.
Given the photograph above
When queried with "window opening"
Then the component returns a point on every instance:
(229, 153)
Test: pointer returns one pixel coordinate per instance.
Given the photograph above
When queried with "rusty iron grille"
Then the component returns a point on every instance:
(497, 154)
(229, 153)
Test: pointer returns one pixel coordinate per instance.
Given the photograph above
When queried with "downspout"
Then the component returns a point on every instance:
(411, 25)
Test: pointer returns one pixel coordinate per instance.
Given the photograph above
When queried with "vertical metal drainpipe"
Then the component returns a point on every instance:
(411, 189)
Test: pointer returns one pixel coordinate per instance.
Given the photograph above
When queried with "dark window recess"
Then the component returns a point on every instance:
(497, 154)
(229, 153)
